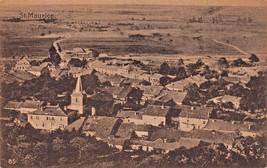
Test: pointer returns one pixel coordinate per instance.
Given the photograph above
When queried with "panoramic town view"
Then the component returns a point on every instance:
(135, 86)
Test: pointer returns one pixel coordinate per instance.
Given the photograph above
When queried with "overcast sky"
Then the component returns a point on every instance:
(156, 2)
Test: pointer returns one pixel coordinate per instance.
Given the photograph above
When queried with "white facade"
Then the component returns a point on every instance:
(48, 122)
(154, 120)
(189, 124)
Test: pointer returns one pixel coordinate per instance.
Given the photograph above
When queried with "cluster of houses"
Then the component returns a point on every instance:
(159, 128)
(163, 123)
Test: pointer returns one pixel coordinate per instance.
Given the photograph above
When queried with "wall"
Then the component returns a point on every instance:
(41, 121)
(188, 124)
(154, 120)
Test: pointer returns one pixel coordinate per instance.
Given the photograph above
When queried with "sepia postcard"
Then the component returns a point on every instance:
(133, 83)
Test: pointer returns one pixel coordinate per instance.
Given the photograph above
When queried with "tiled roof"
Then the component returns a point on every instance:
(102, 96)
(129, 114)
(13, 104)
(50, 111)
(221, 125)
(180, 85)
(195, 112)
(153, 110)
(231, 79)
(102, 126)
(126, 129)
(76, 125)
(164, 133)
(115, 91)
(151, 90)
(211, 137)
(176, 96)
(125, 92)
(31, 104)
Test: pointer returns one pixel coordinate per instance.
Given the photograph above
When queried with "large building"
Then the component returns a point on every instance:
(51, 118)
(23, 64)
(77, 97)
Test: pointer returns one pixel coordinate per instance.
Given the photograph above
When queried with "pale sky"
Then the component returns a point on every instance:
(155, 2)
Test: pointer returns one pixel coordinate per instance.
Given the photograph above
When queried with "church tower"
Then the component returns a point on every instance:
(77, 97)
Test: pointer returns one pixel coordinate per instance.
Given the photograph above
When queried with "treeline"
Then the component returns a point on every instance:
(47, 88)
(28, 147)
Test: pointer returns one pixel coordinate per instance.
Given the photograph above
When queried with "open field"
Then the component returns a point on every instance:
(164, 30)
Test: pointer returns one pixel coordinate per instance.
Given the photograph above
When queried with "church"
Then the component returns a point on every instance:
(78, 98)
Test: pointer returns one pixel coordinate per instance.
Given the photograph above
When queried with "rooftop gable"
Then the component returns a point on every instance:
(195, 112)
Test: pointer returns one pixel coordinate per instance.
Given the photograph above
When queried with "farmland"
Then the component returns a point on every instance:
(163, 30)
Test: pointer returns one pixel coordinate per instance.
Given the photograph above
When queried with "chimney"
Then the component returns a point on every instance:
(162, 107)
(65, 108)
(192, 108)
(42, 108)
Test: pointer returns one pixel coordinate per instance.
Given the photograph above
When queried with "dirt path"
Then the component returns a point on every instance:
(230, 45)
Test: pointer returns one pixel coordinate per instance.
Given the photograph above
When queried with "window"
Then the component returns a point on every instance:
(47, 118)
(76, 99)
(204, 122)
(31, 117)
(60, 119)
(37, 117)
(53, 118)
(43, 124)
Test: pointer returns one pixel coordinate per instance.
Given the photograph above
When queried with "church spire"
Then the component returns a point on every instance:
(78, 87)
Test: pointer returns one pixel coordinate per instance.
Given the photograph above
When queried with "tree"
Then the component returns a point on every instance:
(90, 83)
(164, 68)
(164, 80)
(253, 58)
(223, 63)
(76, 62)
(55, 59)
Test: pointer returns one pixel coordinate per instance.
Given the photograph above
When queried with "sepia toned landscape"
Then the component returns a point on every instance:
(133, 86)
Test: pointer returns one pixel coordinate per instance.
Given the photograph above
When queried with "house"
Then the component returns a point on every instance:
(154, 79)
(58, 73)
(168, 135)
(121, 94)
(132, 82)
(177, 97)
(23, 64)
(233, 80)
(182, 84)
(118, 143)
(29, 106)
(76, 125)
(165, 101)
(156, 115)
(13, 105)
(78, 71)
(213, 137)
(131, 130)
(150, 92)
(37, 70)
(136, 74)
(114, 80)
(101, 127)
(230, 127)
(233, 99)
(161, 146)
(193, 117)
(51, 118)
(130, 116)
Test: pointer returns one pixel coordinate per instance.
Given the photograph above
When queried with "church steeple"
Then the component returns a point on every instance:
(77, 97)
(78, 87)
